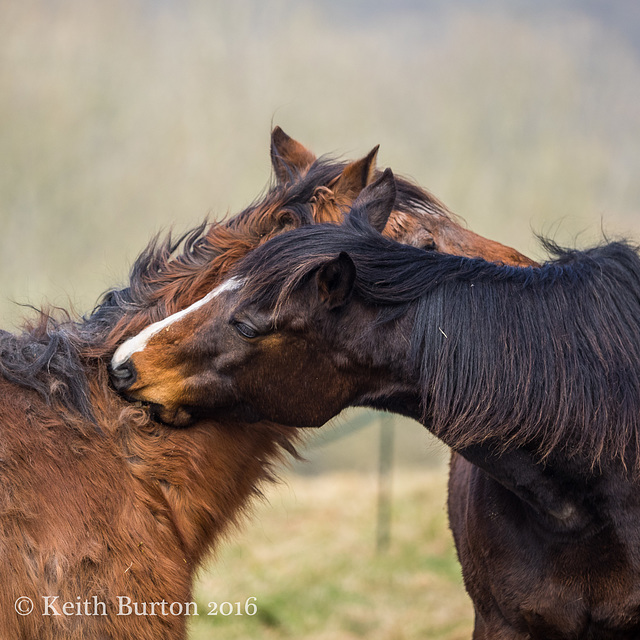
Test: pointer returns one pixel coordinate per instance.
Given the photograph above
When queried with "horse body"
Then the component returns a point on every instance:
(530, 579)
(530, 374)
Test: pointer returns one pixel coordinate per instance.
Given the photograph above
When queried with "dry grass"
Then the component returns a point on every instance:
(308, 556)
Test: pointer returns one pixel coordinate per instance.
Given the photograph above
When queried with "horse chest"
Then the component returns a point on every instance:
(539, 586)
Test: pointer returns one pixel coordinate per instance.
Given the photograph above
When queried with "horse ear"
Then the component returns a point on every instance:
(356, 176)
(335, 280)
(376, 201)
(289, 158)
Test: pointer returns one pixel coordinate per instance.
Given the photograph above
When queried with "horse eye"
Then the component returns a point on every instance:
(245, 330)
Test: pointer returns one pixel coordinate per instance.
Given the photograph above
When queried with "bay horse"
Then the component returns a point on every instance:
(101, 499)
(531, 374)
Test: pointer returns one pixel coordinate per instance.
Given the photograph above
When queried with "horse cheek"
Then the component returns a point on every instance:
(281, 382)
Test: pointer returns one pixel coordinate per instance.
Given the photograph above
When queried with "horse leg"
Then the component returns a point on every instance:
(490, 623)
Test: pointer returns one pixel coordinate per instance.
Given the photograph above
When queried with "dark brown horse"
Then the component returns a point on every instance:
(532, 374)
(101, 500)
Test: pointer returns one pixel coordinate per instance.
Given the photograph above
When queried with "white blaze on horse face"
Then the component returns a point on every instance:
(140, 341)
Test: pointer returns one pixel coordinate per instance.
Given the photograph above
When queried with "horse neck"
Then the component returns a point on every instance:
(382, 362)
(197, 481)
(457, 240)
(420, 210)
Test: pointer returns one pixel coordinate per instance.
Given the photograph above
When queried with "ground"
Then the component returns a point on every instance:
(308, 557)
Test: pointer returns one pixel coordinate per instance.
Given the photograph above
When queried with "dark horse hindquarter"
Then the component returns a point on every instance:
(531, 581)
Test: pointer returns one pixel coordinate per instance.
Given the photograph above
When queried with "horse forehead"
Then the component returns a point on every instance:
(140, 341)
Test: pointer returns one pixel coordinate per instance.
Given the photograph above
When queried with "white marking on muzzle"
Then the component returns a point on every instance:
(139, 342)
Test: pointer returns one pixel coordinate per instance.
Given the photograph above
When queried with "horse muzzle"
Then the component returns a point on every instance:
(123, 376)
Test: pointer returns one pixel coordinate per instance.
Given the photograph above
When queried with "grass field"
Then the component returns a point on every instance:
(308, 557)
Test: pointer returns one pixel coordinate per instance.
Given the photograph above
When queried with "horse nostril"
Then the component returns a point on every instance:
(123, 376)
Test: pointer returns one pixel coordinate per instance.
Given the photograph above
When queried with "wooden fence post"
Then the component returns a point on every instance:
(385, 469)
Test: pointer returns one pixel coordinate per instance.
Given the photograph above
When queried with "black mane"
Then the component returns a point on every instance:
(45, 358)
(547, 357)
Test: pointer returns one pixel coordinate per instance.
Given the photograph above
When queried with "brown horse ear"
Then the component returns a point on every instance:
(356, 176)
(289, 158)
(335, 280)
(376, 202)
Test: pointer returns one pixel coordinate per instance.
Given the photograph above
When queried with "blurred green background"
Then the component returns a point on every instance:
(122, 118)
